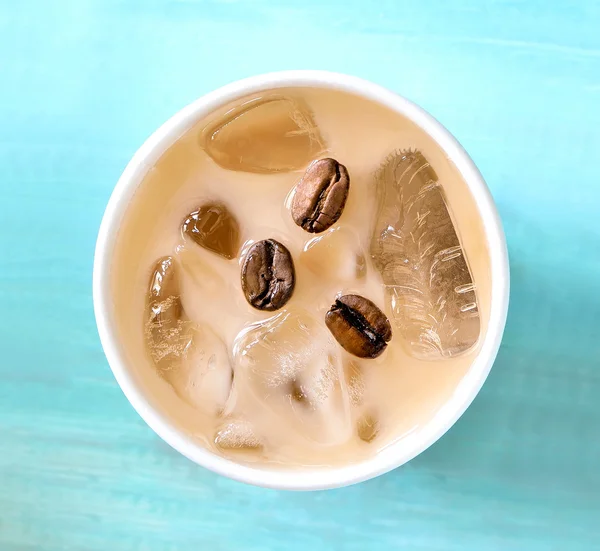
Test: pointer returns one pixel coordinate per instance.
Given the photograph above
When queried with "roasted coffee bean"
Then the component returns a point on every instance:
(213, 227)
(359, 326)
(268, 276)
(321, 195)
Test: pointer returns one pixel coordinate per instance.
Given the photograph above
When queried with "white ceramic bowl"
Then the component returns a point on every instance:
(392, 456)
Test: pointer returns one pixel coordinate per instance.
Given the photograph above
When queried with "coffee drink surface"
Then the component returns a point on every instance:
(301, 280)
(321, 195)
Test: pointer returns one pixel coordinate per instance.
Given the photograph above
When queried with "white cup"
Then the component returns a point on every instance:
(393, 455)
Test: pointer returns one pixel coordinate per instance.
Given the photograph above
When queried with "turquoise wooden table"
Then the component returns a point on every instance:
(83, 83)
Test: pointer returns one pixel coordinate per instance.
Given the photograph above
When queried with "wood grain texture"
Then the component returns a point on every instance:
(83, 83)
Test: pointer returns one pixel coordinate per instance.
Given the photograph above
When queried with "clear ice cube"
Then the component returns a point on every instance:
(355, 381)
(335, 255)
(367, 426)
(416, 249)
(290, 363)
(188, 356)
(203, 277)
(168, 332)
(203, 274)
(213, 227)
(264, 135)
(204, 376)
(237, 435)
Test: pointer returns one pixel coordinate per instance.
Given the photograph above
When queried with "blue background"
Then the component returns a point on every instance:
(83, 83)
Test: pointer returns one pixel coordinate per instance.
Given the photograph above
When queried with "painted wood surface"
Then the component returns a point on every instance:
(83, 83)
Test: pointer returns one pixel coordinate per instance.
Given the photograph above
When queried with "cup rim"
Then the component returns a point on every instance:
(394, 455)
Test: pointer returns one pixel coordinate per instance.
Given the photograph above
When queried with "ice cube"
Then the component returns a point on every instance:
(264, 135)
(355, 381)
(168, 332)
(367, 426)
(290, 363)
(237, 435)
(203, 277)
(429, 288)
(187, 355)
(213, 227)
(203, 274)
(282, 349)
(204, 376)
(335, 255)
